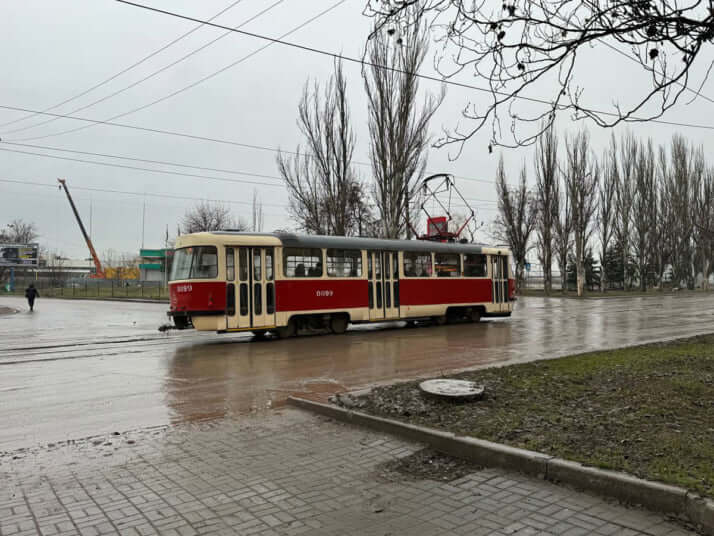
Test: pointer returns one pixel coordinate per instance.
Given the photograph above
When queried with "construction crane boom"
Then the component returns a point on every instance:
(99, 271)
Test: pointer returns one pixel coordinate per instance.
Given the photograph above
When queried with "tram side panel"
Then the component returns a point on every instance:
(314, 296)
(421, 297)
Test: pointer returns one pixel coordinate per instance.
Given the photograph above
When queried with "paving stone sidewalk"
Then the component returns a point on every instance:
(284, 473)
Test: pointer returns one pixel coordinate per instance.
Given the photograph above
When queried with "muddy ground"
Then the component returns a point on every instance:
(647, 410)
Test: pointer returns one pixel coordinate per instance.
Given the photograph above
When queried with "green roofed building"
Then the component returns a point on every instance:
(153, 263)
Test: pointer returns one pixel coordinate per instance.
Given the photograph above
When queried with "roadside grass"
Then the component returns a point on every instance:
(94, 292)
(596, 294)
(646, 410)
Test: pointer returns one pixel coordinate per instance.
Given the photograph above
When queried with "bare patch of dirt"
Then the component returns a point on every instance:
(426, 464)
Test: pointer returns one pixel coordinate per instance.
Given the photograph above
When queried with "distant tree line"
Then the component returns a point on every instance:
(645, 212)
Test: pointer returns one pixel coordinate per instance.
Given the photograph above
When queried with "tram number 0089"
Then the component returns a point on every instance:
(323, 293)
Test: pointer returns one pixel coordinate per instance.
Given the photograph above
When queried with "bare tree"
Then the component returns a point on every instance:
(546, 169)
(644, 210)
(257, 213)
(606, 205)
(704, 217)
(208, 216)
(528, 48)
(516, 217)
(666, 218)
(19, 232)
(398, 124)
(685, 164)
(55, 266)
(581, 179)
(320, 179)
(563, 234)
(623, 200)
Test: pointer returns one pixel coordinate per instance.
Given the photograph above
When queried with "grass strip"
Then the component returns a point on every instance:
(646, 410)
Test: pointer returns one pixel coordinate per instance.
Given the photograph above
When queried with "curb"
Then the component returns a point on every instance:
(654, 496)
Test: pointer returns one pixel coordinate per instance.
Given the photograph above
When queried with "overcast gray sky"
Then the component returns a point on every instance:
(55, 50)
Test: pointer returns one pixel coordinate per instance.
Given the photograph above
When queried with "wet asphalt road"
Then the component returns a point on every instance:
(77, 368)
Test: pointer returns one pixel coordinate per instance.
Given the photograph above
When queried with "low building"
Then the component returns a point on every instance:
(153, 264)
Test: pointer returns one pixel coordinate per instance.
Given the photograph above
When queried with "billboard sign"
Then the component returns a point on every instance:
(19, 254)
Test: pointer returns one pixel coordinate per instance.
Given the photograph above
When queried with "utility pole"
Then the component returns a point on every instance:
(143, 221)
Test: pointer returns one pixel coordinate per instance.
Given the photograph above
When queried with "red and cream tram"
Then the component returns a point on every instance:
(280, 282)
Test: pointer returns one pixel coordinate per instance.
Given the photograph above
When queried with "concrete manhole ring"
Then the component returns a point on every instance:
(452, 389)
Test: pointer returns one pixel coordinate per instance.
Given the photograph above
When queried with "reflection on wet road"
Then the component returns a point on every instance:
(78, 368)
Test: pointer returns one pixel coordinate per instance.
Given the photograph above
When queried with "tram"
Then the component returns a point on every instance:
(228, 281)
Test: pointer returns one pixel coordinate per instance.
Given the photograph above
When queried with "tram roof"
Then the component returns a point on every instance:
(346, 242)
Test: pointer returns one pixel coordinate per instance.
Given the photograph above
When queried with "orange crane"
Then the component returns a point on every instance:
(99, 271)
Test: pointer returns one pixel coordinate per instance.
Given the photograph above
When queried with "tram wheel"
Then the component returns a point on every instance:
(259, 333)
(338, 324)
(285, 332)
(439, 320)
(181, 322)
(475, 315)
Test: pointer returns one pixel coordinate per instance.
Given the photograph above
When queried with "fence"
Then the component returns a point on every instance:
(91, 288)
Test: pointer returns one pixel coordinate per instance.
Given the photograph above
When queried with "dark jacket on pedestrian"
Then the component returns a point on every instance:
(31, 293)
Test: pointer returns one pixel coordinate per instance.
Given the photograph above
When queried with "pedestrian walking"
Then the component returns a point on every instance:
(31, 293)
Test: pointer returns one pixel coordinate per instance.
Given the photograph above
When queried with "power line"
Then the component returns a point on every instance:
(136, 168)
(385, 67)
(186, 135)
(156, 194)
(149, 76)
(125, 70)
(145, 160)
(140, 194)
(197, 82)
(190, 175)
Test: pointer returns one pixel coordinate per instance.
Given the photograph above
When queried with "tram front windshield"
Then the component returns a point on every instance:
(198, 262)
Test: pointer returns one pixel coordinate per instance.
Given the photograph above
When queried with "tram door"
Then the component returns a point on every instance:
(499, 280)
(251, 289)
(383, 284)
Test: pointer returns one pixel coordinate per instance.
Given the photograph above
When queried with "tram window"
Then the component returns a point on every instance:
(230, 265)
(257, 299)
(369, 265)
(244, 299)
(270, 298)
(181, 267)
(475, 265)
(257, 268)
(302, 262)
(200, 262)
(344, 263)
(395, 265)
(243, 264)
(269, 264)
(448, 265)
(417, 264)
(378, 266)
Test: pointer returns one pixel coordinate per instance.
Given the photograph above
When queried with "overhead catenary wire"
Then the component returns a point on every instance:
(163, 162)
(126, 69)
(197, 82)
(144, 160)
(140, 194)
(136, 168)
(188, 136)
(363, 62)
(155, 194)
(150, 76)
